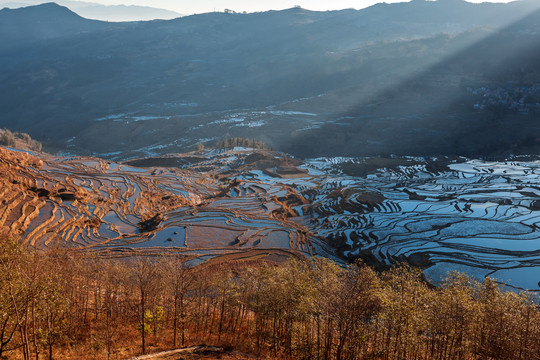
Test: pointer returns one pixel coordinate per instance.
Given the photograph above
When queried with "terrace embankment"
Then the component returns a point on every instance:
(474, 216)
(118, 209)
(479, 217)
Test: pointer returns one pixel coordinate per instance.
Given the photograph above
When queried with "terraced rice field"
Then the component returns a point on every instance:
(474, 216)
(99, 206)
(478, 217)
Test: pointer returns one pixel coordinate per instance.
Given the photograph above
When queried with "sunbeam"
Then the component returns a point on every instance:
(420, 103)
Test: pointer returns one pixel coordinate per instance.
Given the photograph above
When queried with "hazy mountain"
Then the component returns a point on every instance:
(96, 11)
(124, 13)
(395, 78)
(41, 23)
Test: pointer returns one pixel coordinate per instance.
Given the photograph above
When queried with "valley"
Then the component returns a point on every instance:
(283, 184)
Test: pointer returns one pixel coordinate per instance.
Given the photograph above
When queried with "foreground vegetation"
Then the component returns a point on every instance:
(19, 140)
(64, 305)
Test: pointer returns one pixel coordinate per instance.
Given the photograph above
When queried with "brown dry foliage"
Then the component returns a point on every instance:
(67, 305)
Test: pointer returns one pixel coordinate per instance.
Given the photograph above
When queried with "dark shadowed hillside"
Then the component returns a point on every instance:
(478, 101)
(397, 78)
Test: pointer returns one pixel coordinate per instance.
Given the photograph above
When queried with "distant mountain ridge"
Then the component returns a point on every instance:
(288, 78)
(101, 12)
(39, 23)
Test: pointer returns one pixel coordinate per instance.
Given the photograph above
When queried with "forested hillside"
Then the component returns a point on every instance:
(65, 305)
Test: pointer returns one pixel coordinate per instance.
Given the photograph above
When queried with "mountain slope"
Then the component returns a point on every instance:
(141, 88)
(40, 23)
(124, 13)
(103, 12)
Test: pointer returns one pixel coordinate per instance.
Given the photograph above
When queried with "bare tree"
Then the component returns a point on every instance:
(145, 276)
(178, 280)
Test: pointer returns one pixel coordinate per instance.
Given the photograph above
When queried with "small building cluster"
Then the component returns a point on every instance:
(520, 99)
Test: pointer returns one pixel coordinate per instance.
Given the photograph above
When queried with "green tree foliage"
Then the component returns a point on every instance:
(152, 320)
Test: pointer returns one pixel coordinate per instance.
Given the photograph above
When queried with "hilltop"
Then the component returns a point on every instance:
(95, 11)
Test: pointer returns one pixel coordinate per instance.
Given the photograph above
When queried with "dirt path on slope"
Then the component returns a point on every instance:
(197, 353)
